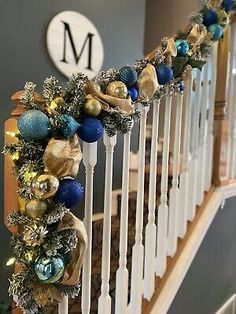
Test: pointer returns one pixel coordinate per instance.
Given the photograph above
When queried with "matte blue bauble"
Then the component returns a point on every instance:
(133, 92)
(216, 30)
(228, 5)
(164, 74)
(34, 125)
(69, 193)
(68, 125)
(128, 75)
(90, 130)
(49, 269)
(209, 17)
(182, 47)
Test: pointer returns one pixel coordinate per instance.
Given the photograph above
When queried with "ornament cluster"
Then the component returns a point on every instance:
(47, 154)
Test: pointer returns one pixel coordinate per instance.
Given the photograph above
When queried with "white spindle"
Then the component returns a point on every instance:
(122, 275)
(184, 176)
(233, 145)
(174, 191)
(194, 164)
(163, 207)
(63, 306)
(89, 161)
(150, 234)
(104, 301)
(137, 251)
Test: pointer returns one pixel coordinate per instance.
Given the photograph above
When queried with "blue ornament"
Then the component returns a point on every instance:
(133, 92)
(209, 17)
(49, 269)
(182, 47)
(69, 193)
(68, 125)
(90, 130)
(228, 5)
(128, 75)
(216, 30)
(181, 86)
(34, 125)
(164, 74)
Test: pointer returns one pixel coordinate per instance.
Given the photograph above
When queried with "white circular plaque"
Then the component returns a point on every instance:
(74, 44)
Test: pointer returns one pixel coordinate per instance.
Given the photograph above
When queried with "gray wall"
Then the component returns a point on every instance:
(24, 58)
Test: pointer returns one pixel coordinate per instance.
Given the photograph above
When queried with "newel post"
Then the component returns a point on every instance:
(220, 122)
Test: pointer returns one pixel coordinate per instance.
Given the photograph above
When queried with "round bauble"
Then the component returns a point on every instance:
(133, 92)
(182, 47)
(68, 125)
(49, 269)
(92, 107)
(117, 89)
(45, 186)
(229, 5)
(34, 125)
(209, 17)
(216, 30)
(56, 104)
(128, 75)
(69, 193)
(90, 130)
(164, 74)
(30, 256)
(36, 208)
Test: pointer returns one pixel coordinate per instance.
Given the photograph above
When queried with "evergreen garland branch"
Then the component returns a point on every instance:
(28, 97)
(18, 218)
(69, 291)
(56, 214)
(51, 88)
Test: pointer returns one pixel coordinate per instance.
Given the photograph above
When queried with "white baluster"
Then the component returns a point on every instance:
(63, 306)
(104, 301)
(150, 234)
(122, 272)
(163, 207)
(89, 161)
(174, 191)
(194, 164)
(184, 176)
(137, 251)
(233, 149)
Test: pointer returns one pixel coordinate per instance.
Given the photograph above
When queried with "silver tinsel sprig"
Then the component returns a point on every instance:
(104, 78)
(19, 282)
(69, 291)
(18, 218)
(25, 192)
(53, 244)
(51, 88)
(140, 65)
(19, 248)
(69, 240)
(28, 97)
(56, 214)
(165, 90)
(196, 18)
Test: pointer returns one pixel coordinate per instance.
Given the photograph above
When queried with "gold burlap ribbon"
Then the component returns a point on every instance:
(62, 157)
(147, 83)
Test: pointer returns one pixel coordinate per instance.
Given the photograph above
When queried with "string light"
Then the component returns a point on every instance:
(12, 134)
(16, 156)
(10, 261)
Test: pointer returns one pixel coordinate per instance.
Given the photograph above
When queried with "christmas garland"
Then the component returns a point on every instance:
(50, 242)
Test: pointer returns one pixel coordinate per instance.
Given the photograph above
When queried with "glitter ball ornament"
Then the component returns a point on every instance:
(30, 256)
(45, 186)
(128, 75)
(49, 269)
(69, 193)
(90, 130)
(56, 104)
(117, 89)
(68, 125)
(36, 208)
(164, 74)
(133, 92)
(34, 234)
(209, 17)
(228, 5)
(216, 30)
(34, 125)
(92, 107)
(182, 47)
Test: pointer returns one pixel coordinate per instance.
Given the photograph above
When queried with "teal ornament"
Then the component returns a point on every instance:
(164, 74)
(34, 125)
(90, 130)
(68, 125)
(182, 47)
(209, 18)
(216, 30)
(128, 75)
(49, 269)
(133, 92)
(229, 5)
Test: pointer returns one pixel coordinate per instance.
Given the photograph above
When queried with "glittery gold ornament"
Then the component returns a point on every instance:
(36, 208)
(45, 186)
(187, 72)
(56, 104)
(62, 157)
(223, 18)
(92, 106)
(34, 234)
(117, 89)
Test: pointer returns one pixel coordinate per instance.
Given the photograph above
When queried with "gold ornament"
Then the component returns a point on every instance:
(223, 18)
(21, 203)
(36, 208)
(45, 186)
(56, 104)
(147, 83)
(187, 72)
(34, 234)
(171, 49)
(62, 157)
(92, 106)
(30, 256)
(117, 89)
